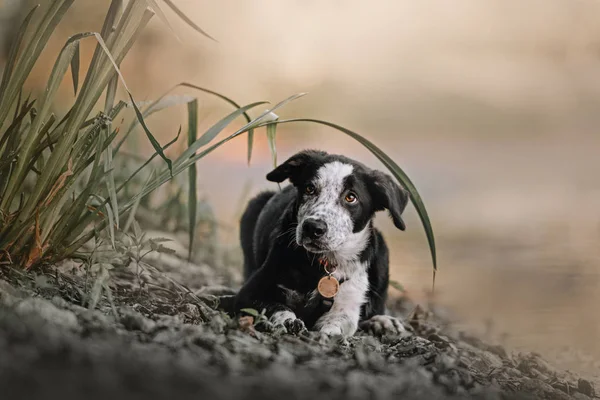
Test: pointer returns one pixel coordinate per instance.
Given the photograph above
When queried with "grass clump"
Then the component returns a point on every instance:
(58, 186)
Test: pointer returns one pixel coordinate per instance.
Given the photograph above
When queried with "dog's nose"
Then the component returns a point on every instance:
(314, 228)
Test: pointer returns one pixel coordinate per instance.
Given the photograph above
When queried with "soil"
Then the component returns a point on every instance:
(154, 338)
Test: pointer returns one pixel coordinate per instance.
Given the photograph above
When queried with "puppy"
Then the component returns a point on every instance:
(320, 227)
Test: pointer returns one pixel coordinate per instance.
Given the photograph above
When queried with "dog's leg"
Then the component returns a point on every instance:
(342, 319)
(261, 292)
(375, 320)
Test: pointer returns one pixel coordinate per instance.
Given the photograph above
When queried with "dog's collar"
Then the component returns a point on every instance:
(329, 266)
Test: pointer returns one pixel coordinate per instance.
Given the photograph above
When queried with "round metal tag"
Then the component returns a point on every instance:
(328, 286)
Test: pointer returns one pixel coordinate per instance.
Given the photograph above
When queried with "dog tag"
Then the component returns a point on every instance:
(328, 286)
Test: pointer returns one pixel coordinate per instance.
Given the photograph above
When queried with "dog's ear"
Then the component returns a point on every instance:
(294, 166)
(388, 195)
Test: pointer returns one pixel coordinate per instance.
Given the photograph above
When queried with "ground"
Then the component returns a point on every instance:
(162, 339)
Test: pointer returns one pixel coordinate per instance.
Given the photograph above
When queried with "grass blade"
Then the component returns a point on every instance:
(31, 53)
(110, 182)
(216, 94)
(150, 137)
(131, 216)
(75, 68)
(156, 8)
(164, 102)
(14, 49)
(30, 142)
(271, 132)
(188, 157)
(192, 200)
(187, 20)
(111, 93)
(157, 106)
(251, 131)
(111, 224)
(397, 285)
(259, 121)
(58, 155)
(16, 121)
(250, 144)
(147, 162)
(210, 134)
(138, 113)
(112, 18)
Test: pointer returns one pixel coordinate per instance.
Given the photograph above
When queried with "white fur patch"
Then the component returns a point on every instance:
(343, 248)
(342, 318)
(280, 317)
(349, 251)
(327, 206)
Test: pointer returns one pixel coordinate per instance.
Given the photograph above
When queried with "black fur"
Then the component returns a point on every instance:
(279, 274)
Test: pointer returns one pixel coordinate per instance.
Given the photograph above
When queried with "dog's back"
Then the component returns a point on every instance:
(259, 222)
(248, 225)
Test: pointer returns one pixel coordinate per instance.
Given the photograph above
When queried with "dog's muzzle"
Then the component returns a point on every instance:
(313, 230)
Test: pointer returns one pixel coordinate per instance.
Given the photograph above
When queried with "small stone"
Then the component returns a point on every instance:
(93, 321)
(545, 367)
(191, 312)
(498, 350)
(284, 357)
(585, 387)
(490, 360)
(537, 374)
(560, 385)
(219, 322)
(436, 338)
(466, 378)
(514, 372)
(8, 294)
(168, 321)
(61, 303)
(361, 358)
(8, 288)
(133, 321)
(48, 312)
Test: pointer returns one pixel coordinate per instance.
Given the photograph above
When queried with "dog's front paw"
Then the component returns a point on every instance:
(337, 325)
(331, 330)
(382, 325)
(288, 321)
(294, 326)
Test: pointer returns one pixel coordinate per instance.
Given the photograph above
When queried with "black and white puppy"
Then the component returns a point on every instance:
(326, 214)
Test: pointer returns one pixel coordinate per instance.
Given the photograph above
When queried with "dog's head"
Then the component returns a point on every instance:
(337, 198)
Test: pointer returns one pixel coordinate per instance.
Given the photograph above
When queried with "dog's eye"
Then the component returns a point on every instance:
(350, 198)
(310, 189)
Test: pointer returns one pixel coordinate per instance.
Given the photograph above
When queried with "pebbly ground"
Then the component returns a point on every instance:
(157, 338)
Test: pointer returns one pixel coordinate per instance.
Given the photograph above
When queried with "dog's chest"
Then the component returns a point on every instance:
(297, 289)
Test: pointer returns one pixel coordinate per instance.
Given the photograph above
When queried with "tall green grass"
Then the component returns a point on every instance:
(57, 182)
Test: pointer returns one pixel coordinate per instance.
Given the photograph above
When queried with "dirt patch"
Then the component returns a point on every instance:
(166, 339)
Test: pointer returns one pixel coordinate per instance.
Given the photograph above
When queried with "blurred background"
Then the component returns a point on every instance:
(492, 107)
